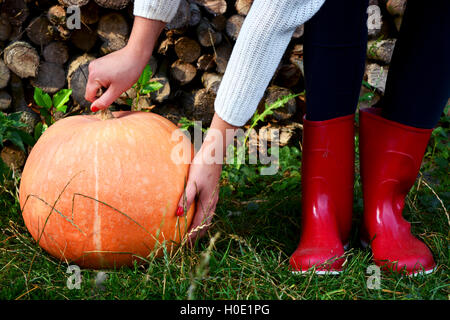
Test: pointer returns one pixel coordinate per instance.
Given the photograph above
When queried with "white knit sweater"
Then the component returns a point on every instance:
(262, 41)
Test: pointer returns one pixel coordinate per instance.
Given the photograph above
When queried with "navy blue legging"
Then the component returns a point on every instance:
(418, 83)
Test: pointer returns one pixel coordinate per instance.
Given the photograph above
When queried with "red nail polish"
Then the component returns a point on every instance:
(180, 211)
(94, 109)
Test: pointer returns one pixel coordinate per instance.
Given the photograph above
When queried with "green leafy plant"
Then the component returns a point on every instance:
(48, 106)
(247, 182)
(11, 130)
(185, 124)
(438, 153)
(144, 86)
(373, 47)
(268, 110)
(368, 96)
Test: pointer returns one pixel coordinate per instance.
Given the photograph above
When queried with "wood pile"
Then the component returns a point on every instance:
(42, 45)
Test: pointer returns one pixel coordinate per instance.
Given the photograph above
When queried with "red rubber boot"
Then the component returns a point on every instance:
(327, 194)
(390, 155)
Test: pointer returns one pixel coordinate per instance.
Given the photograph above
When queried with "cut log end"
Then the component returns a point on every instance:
(77, 77)
(234, 25)
(50, 77)
(187, 50)
(22, 59)
(56, 52)
(243, 6)
(182, 72)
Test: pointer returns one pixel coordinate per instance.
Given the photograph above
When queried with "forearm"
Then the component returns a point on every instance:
(263, 38)
(218, 137)
(150, 18)
(143, 37)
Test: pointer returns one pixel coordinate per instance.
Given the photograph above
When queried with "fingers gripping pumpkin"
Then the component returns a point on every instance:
(103, 192)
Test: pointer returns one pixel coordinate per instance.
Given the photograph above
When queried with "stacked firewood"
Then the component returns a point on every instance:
(43, 45)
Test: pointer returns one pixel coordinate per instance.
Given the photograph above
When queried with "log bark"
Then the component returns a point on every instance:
(113, 4)
(376, 76)
(381, 50)
(296, 57)
(222, 55)
(90, 13)
(243, 6)
(299, 31)
(398, 22)
(27, 115)
(288, 75)
(162, 94)
(206, 35)
(5, 75)
(113, 30)
(22, 59)
(187, 50)
(206, 62)
(211, 81)
(39, 31)
(166, 44)
(5, 100)
(214, 7)
(219, 23)
(234, 24)
(113, 45)
(50, 78)
(84, 38)
(16, 11)
(5, 27)
(396, 7)
(63, 32)
(16, 33)
(204, 106)
(68, 3)
(57, 15)
(13, 157)
(56, 52)
(77, 77)
(153, 63)
(273, 93)
(196, 15)
(182, 17)
(111, 26)
(182, 72)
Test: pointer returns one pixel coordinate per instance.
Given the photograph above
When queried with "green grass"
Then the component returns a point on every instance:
(246, 252)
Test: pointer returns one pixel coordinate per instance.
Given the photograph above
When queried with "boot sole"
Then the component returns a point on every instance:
(323, 272)
(415, 274)
(422, 273)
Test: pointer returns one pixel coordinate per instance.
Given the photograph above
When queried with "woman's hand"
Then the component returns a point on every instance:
(118, 71)
(202, 185)
(203, 180)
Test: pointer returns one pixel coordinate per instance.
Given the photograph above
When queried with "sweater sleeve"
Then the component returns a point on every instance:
(162, 10)
(264, 36)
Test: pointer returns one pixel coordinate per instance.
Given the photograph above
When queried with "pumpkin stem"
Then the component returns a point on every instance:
(105, 114)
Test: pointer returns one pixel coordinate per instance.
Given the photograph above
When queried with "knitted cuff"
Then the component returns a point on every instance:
(162, 10)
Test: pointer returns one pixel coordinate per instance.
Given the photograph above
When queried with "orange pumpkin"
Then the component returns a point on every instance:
(102, 193)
